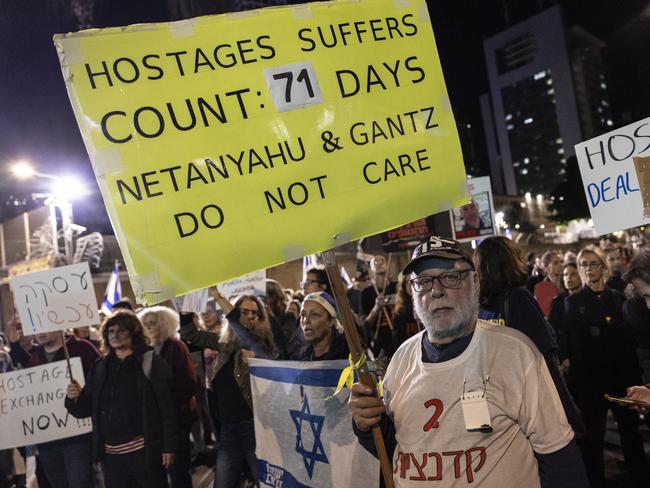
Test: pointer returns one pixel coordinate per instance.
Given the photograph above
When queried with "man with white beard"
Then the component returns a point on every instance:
(466, 401)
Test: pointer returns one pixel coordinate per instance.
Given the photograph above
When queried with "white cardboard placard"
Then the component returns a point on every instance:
(611, 182)
(32, 407)
(55, 299)
(249, 284)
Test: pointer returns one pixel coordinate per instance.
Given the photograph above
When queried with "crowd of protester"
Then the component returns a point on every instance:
(167, 390)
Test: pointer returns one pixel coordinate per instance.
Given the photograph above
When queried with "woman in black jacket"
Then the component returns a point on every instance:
(602, 360)
(129, 396)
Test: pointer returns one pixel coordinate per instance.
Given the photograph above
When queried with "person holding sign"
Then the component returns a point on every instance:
(129, 395)
(247, 334)
(66, 462)
(466, 400)
(6, 455)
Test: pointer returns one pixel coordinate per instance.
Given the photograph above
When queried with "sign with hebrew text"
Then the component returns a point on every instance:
(55, 299)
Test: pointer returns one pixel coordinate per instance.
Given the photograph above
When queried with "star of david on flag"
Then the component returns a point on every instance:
(315, 423)
(304, 439)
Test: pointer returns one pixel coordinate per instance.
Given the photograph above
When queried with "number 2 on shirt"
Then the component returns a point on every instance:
(433, 421)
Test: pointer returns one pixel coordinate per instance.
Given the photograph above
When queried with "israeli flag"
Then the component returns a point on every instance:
(308, 262)
(304, 438)
(113, 291)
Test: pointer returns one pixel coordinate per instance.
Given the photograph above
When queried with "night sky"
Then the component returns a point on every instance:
(37, 122)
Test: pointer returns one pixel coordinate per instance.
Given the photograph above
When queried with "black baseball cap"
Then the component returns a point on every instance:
(443, 252)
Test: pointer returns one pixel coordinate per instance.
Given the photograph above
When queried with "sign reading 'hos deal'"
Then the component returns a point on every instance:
(615, 170)
(231, 143)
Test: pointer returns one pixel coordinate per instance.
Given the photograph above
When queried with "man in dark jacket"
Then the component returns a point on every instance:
(129, 395)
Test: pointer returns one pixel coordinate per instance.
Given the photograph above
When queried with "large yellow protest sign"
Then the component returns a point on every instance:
(230, 143)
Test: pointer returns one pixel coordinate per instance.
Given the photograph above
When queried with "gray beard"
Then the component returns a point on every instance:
(438, 331)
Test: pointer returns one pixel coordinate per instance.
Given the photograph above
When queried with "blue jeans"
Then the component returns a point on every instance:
(236, 448)
(68, 462)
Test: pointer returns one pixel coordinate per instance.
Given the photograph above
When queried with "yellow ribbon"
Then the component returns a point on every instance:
(347, 376)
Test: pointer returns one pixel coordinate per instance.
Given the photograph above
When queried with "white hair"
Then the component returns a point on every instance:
(167, 319)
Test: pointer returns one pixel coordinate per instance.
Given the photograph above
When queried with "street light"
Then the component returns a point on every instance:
(63, 190)
(23, 170)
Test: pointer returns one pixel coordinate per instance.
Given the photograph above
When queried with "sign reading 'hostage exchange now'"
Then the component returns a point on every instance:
(615, 170)
(31, 405)
(231, 143)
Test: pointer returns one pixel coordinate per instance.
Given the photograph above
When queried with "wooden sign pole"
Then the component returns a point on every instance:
(356, 351)
(67, 356)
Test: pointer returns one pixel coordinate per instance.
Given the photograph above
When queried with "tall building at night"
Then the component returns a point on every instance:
(547, 92)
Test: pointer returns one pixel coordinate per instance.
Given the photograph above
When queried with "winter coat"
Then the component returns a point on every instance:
(159, 413)
(182, 367)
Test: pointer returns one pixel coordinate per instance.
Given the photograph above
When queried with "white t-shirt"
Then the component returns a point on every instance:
(424, 401)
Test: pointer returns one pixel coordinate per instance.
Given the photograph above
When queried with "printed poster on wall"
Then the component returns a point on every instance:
(475, 220)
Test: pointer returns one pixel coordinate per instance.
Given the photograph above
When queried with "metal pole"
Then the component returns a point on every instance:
(66, 224)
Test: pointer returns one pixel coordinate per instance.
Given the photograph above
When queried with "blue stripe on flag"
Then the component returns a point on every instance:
(272, 475)
(327, 378)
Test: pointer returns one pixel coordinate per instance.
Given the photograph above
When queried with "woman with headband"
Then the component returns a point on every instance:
(323, 334)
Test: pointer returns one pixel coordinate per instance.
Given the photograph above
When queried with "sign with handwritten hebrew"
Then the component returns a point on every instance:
(55, 299)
